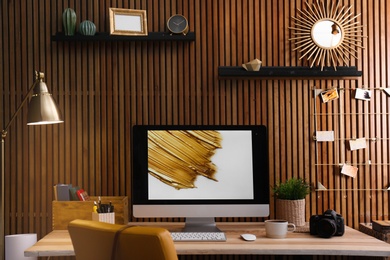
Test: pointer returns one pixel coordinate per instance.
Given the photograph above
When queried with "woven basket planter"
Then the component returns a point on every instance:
(291, 210)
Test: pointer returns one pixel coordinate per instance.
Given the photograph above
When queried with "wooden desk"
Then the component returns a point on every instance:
(56, 243)
(353, 243)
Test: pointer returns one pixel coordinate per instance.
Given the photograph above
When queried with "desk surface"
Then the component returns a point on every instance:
(353, 243)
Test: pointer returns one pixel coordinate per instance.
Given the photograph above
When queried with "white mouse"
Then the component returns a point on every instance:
(248, 237)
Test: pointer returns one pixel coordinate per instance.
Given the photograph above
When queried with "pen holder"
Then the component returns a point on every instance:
(104, 217)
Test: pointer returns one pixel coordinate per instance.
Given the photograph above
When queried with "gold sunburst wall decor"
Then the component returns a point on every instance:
(327, 34)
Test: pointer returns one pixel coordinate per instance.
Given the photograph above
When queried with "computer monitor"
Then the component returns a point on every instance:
(199, 173)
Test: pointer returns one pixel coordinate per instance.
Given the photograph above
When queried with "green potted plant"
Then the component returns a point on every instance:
(290, 200)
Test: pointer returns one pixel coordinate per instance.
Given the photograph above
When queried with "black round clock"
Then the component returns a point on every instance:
(177, 24)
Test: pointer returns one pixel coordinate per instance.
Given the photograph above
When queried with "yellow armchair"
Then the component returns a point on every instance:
(104, 241)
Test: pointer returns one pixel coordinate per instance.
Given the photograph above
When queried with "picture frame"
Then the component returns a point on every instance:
(329, 95)
(128, 22)
(363, 94)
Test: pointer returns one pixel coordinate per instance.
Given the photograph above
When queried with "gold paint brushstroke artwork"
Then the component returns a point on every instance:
(178, 157)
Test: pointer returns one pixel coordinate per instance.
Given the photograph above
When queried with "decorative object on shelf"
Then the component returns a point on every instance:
(290, 200)
(327, 35)
(87, 28)
(178, 24)
(253, 65)
(69, 21)
(128, 22)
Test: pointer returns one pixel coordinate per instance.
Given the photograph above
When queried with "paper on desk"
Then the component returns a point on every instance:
(356, 144)
(324, 136)
(349, 170)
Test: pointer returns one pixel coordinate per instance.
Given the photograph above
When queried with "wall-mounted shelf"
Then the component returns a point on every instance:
(237, 72)
(152, 36)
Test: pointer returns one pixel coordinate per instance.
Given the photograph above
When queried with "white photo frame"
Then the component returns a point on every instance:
(128, 22)
(363, 94)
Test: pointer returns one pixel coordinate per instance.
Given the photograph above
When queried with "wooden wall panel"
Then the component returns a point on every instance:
(103, 88)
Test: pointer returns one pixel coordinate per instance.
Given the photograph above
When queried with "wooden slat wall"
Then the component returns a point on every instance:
(103, 88)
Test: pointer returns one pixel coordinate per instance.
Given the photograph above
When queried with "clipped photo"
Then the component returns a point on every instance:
(329, 95)
(349, 170)
(363, 94)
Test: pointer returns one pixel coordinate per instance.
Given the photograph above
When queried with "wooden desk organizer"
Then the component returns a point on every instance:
(65, 211)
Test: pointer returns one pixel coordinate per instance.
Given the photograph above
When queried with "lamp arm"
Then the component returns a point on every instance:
(38, 77)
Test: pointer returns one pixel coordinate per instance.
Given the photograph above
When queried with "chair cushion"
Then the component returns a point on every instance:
(95, 240)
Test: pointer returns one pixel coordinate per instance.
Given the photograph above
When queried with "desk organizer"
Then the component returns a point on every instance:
(65, 211)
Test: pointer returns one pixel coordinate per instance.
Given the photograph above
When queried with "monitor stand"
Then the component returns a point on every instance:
(200, 225)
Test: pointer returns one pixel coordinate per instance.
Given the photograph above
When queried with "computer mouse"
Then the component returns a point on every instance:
(248, 237)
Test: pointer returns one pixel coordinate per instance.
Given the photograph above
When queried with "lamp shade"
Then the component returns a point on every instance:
(42, 109)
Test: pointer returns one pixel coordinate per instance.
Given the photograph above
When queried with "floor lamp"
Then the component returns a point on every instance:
(41, 110)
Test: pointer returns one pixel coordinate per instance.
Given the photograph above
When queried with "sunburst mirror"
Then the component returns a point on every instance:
(326, 34)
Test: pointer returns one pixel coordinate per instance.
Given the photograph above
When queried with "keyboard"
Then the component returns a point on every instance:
(198, 236)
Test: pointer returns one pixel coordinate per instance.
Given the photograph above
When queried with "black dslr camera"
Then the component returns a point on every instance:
(327, 225)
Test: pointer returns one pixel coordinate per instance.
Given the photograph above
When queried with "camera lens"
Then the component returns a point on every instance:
(326, 228)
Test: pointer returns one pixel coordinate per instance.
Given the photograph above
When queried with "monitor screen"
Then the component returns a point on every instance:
(200, 172)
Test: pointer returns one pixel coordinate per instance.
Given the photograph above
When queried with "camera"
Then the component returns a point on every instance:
(327, 225)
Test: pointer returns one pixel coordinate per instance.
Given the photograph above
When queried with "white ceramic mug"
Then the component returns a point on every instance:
(277, 228)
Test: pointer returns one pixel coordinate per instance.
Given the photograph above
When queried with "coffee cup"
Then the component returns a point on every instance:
(277, 228)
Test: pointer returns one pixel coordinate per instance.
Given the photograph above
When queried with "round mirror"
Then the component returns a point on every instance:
(327, 34)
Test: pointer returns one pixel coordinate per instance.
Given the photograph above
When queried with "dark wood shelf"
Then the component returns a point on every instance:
(236, 72)
(152, 36)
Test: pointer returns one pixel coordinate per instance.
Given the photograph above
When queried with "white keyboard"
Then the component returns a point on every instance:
(198, 236)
